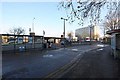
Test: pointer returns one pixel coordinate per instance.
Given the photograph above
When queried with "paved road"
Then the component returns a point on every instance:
(38, 65)
(95, 64)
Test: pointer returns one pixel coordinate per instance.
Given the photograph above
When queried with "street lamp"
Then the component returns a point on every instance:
(90, 34)
(64, 26)
(33, 34)
(33, 24)
(91, 30)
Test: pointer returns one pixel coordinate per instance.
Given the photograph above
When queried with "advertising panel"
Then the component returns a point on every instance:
(113, 41)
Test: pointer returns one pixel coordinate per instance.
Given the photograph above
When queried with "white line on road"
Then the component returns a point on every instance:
(48, 55)
(75, 50)
(99, 49)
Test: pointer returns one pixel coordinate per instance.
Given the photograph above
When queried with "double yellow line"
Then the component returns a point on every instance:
(60, 72)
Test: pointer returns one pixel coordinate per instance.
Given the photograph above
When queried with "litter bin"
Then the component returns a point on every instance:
(21, 48)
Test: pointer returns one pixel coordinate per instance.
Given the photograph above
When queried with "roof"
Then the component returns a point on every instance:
(19, 35)
(113, 31)
(52, 38)
(30, 35)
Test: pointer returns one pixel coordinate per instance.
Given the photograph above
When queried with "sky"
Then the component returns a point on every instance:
(21, 14)
(46, 14)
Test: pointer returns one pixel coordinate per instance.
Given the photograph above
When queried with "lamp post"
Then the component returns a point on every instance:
(64, 26)
(33, 34)
(33, 24)
(91, 36)
(43, 39)
(64, 30)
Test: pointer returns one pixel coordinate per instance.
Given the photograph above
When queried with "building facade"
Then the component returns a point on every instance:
(87, 32)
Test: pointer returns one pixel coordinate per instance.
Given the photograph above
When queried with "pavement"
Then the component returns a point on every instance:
(97, 63)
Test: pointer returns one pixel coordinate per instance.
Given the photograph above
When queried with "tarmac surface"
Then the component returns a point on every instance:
(97, 63)
(42, 63)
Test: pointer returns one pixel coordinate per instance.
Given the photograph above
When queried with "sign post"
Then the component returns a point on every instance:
(43, 44)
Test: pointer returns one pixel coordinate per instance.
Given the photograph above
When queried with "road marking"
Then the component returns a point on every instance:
(99, 49)
(47, 55)
(66, 67)
(75, 50)
(59, 49)
(59, 72)
(100, 45)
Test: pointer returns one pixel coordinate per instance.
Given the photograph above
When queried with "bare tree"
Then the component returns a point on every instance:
(112, 20)
(17, 31)
(82, 9)
(70, 35)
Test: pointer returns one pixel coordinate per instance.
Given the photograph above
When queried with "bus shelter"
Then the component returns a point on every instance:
(115, 42)
(18, 43)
